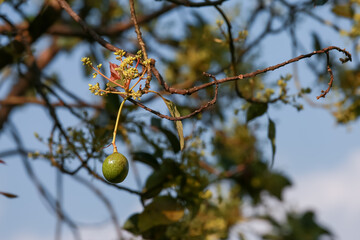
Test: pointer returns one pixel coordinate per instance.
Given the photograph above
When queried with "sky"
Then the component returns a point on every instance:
(321, 157)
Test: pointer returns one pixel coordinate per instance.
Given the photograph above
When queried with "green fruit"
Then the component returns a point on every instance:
(115, 167)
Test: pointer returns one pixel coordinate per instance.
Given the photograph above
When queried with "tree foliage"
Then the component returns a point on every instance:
(196, 60)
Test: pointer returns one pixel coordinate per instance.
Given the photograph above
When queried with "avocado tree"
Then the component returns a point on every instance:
(175, 87)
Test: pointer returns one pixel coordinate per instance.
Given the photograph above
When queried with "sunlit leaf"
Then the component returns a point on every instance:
(179, 127)
(343, 10)
(162, 210)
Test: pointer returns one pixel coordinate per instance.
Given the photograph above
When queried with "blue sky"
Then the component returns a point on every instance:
(321, 158)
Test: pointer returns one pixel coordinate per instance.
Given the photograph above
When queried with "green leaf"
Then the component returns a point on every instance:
(256, 110)
(8, 195)
(179, 127)
(161, 179)
(316, 42)
(147, 159)
(162, 210)
(174, 141)
(271, 136)
(112, 103)
(154, 184)
(156, 122)
(275, 183)
(119, 81)
(343, 10)
(319, 2)
(131, 224)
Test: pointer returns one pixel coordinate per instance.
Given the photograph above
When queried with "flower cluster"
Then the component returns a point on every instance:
(95, 89)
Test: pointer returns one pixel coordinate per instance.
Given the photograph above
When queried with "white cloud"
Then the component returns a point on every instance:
(334, 194)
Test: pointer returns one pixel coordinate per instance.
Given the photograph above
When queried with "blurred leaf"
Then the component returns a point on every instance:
(156, 122)
(343, 10)
(319, 2)
(297, 226)
(271, 136)
(131, 224)
(68, 44)
(1, 161)
(174, 141)
(235, 147)
(162, 210)
(179, 127)
(256, 110)
(161, 178)
(112, 103)
(275, 183)
(146, 158)
(316, 42)
(8, 195)
(154, 184)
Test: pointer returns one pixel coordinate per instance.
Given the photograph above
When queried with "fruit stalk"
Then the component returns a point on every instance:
(116, 124)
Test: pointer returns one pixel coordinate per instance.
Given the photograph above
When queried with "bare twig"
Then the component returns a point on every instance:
(243, 76)
(197, 111)
(25, 81)
(88, 30)
(13, 100)
(323, 93)
(188, 3)
(137, 29)
(40, 187)
(106, 202)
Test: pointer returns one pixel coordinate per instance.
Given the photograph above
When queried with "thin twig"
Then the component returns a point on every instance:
(246, 75)
(88, 30)
(323, 93)
(137, 29)
(188, 3)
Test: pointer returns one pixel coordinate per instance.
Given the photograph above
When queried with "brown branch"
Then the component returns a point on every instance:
(46, 17)
(14, 100)
(44, 193)
(243, 76)
(106, 202)
(188, 3)
(197, 111)
(25, 81)
(137, 29)
(230, 40)
(110, 31)
(140, 41)
(323, 93)
(67, 31)
(85, 27)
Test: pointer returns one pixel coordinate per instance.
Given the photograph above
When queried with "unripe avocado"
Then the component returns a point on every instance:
(115, 167)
